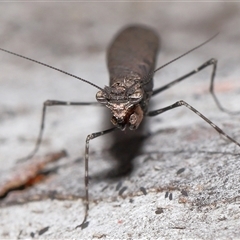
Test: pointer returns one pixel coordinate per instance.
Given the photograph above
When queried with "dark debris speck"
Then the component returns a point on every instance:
(159, 211)
(118, 186)
(43, 230)
(143, 190)
(166, 195)
(181, 170)
(122, 190)
(184, 193)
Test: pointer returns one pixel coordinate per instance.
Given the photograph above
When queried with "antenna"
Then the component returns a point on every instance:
(175, 59)
(57, 69)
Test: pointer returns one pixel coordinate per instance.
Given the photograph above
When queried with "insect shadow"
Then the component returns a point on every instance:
(124, 149)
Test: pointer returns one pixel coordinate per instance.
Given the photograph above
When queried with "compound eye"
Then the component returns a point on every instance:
(136, 96)
(101, 97)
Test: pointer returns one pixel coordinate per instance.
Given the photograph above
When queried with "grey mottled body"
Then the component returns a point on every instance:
(131, 58)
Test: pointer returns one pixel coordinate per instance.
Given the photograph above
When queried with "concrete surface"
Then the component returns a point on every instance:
(178, 157)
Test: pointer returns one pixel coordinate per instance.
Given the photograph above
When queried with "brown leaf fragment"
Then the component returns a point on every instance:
(25, 172)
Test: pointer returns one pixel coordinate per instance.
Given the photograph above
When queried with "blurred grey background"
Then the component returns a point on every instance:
(74, 36)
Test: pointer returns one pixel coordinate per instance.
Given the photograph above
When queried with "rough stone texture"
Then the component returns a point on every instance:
(176, 152)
